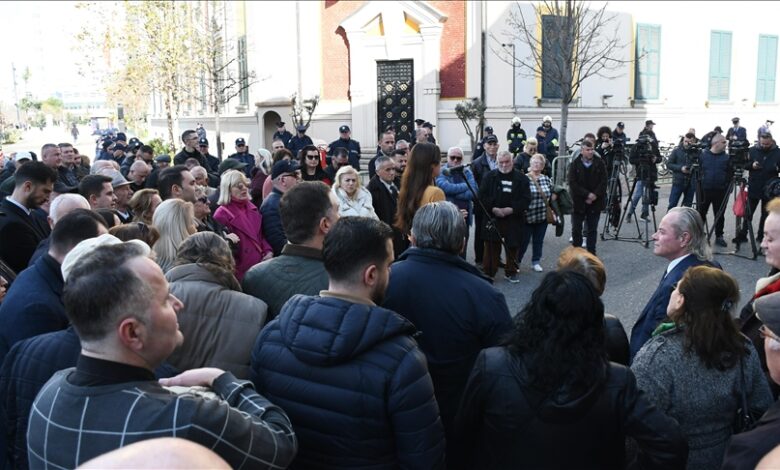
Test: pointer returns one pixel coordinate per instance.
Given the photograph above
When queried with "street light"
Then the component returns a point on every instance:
(514, 64)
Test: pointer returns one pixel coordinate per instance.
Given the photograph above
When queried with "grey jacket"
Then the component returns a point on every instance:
(299, 270)
(219, 325)
(703, 401)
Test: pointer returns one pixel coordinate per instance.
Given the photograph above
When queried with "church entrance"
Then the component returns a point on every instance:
(395, 97)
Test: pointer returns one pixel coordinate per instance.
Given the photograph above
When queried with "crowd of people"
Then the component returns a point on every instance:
(273, 311)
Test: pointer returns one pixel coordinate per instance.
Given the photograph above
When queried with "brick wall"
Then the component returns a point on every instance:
(335, 49)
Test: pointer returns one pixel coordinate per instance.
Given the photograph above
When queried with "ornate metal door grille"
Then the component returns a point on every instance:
(395, 96)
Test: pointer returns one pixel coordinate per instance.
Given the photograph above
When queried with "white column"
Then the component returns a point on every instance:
(362, 90)
(429, 87)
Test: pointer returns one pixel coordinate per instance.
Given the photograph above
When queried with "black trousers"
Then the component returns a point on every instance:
(591, 220)
(714, 197)
(753, 206)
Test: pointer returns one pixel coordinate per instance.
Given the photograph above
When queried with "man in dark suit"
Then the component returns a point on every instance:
(384, 195)
(681, 240)
(20, 231)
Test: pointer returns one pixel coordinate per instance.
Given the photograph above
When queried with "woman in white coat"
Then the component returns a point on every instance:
(354, 199)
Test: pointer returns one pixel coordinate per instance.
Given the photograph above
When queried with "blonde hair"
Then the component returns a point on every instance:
(586, 263)
(530, 142)
(229, 179)
(142, 204)
(173, 219)
(774, 206)
(343, 171)
(538, 156)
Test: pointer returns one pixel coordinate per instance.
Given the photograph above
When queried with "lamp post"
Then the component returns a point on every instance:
(514, 64)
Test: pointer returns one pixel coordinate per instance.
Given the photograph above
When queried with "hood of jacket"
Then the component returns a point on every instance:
(564, 405)
(325, 331)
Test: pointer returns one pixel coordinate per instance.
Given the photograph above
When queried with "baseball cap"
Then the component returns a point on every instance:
(419, 121)
(621, 125)
(134, 143)
(718, 129)
(203, 141)
(119, 147)
(491, 139)
(282, 167)
(344, 128)
(230, 164)
(489, 129)
(766, 135)
(301, 128)
(121, 136)
(22, 156)
(649, 122)
(767, 308)
(163, 158)
(240, 141)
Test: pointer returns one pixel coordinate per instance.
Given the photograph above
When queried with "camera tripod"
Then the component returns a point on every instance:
(648, 185)
(617, 177)
(736, 184)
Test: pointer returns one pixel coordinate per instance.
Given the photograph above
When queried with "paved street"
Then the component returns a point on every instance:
(633, 272)
(34, 139)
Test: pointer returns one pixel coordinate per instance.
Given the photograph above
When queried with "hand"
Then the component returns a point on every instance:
(554, 197)
(685, 170)
(232, 237)
(756, 166)
(268, 256)
(464, 212)
(498, 212)
(194, 377)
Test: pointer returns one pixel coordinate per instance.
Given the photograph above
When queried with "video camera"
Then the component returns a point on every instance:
(643, 157)
(739, 158)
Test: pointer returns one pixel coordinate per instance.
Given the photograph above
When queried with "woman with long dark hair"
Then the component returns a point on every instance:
(693, 367)
(417, 184)
(548, 398)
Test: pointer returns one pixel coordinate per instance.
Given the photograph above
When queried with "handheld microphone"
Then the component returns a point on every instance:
(455, 170)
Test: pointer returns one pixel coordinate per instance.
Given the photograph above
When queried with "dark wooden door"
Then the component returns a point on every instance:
(395, 97)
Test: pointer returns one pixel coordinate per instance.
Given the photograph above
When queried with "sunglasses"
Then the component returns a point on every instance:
(312, 157)
(203, 200)
(456, 159)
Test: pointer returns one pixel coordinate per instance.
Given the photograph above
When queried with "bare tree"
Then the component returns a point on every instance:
(576, 43)
(469, 110)
(303, 110)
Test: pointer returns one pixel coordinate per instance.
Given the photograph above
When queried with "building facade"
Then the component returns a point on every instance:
(373, 63)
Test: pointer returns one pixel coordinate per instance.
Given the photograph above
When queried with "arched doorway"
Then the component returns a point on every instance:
(270, 118)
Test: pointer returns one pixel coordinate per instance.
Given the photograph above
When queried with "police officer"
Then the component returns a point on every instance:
(481, 144)
(283, 134)
(211, 160)
(299, 141)
(515, 137)
(764, 165)
(736, 132)
(346, 141)
(680, 164)
(242, 154)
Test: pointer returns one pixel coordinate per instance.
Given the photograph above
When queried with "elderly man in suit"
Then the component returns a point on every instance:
(383, 187)
(681, 240)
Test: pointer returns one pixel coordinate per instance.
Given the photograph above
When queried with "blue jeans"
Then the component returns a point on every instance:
(686, 192)
(639, 190)
(535, 231)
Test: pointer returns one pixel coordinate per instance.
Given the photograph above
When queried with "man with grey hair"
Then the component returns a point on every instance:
(461, 312)
(680, 239)
(454, 180)
(62, 205)
(384, 196)
(119, 303)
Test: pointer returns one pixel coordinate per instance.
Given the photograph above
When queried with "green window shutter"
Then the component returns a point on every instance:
(720, 65)
(767, 68)
(648, 64)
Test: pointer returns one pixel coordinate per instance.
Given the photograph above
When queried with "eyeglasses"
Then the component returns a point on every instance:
(765, 333)
(456, 159)
(312, 157)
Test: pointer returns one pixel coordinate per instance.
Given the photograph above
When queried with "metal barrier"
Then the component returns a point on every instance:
(560, 170)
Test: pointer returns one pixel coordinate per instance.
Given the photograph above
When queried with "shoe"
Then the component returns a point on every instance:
(514, 278)
(538, 268)
(571, 239)
(721, 242)
(644, 216)
(584, 243)
(628, 217)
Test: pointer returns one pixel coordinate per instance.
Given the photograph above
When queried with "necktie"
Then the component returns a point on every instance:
(393, 191)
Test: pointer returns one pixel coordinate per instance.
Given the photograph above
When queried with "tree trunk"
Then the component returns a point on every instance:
(169, 117)
(563, 130)
(218, 132)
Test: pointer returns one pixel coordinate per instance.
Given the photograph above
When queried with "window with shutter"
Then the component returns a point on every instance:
(720, 65)
(647, 67)
(553, 36)
(767, 68)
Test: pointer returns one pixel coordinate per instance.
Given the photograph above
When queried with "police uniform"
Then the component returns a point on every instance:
(297, 143)
(283, 136)
(352, 146)
(244, 157)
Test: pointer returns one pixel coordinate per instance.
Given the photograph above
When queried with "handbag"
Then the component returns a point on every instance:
(740, 202)
(745, 419)
(551, 216)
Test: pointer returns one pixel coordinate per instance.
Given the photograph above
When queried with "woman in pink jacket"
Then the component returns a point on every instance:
(237, 213)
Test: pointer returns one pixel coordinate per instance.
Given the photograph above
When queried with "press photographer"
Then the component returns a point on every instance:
(644, 156)
(715, 177)
(684, 162)
(763, 166)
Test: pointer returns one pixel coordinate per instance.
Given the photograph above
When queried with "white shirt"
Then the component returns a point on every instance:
(674, 263)
(18, 204)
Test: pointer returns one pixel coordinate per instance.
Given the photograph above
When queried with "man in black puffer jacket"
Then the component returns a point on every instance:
(347, 371)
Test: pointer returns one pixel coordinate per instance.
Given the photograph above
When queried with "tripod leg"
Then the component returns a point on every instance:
(722, 209)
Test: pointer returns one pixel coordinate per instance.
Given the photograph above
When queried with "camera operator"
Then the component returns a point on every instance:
(619, 133)
(683, 157)
(605, 148)
(645, 155)
(714, 182)
(763, 166)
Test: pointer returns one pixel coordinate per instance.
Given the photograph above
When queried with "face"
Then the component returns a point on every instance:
(52, 157)
(536, 165)
(504, 163)
(687, 142)
(345, 135)
(240, 191)
(38, 194)
(201, 207)
(123, 195)
(312, 159)
(387, 143)
(650, 127)
(67, 155)
(386, 172)
(200, 179)
(771, 241)
(348, 183)
(106, 199)
(191, 140)
(404, 147)
(676, 302)
(382, 276)
(162, 335)
(277, 145)
(587, 153)
(491, 148)
(340, 161)
(666, 242)
(241, 148)
(188, 186)
(138, 175)
(531, 149)
(163, 165)
(718, 144)
(422, 135)
(204, 149)
(147, 157)
(765, 143)
(454, 159)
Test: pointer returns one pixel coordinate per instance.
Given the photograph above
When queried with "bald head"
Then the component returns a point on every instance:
(63, 204)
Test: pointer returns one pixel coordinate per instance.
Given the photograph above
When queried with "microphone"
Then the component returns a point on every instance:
(449, 171)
